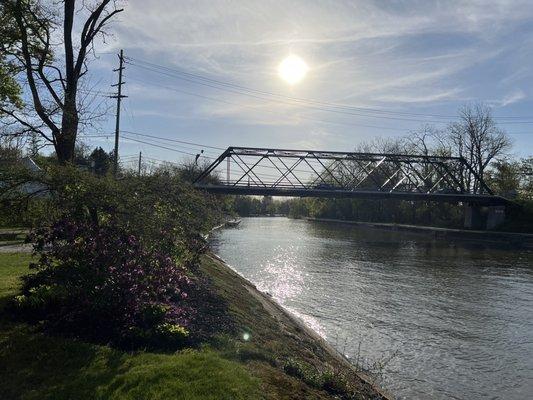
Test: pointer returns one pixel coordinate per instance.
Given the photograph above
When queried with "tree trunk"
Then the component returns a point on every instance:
(66, 142)
(64, 147)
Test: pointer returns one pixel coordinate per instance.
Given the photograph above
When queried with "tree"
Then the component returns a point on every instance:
(10, 150)
(9, 87)
(526, 178)
(53, 82)
(101, 161)
(477, 139)
(504, 178)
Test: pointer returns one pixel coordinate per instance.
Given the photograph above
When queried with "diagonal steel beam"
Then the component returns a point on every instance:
(369, 174)
(326, 168)
(290, 170)
(250, 169)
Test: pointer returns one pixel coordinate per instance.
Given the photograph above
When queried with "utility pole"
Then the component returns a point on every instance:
(119, 97)
(140, 160)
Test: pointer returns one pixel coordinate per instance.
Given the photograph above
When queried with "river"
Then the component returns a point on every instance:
(458, 318)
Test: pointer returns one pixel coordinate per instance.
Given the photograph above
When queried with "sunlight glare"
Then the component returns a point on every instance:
(292, 69)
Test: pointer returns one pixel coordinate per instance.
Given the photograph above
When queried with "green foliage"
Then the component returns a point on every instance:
(99, 283)
(391, 211)
(10, 43)
(112, 252)
(246, 206)
(9, 89)
(38, 367)
(331, 381)
(100, 161)
(161, 209)
(504, 178)
(298, 208)
(519, 217)
(526, 178)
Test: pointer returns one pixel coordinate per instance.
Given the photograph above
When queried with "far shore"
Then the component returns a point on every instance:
(510, 238)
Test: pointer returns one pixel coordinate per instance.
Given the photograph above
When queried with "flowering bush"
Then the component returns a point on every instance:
(98, 282)
(117, 260)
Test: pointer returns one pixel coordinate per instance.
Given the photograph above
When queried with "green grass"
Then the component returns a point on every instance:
(12, 266)
(36, 366)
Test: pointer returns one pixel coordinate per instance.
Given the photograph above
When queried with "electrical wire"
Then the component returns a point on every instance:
(200, 79)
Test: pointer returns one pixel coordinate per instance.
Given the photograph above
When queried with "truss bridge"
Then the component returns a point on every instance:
(310, 173)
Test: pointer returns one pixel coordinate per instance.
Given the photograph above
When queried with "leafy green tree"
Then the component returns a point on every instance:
(526, 178)
(504, 178)
(100, 161)
(9, 88)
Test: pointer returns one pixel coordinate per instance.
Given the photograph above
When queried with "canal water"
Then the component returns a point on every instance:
(458, 318)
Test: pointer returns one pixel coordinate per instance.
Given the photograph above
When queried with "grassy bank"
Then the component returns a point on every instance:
(279, 359)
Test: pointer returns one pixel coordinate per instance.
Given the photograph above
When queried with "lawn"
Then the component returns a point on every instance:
(35, 366)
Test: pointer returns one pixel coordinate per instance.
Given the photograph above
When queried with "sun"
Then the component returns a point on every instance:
(292, 69)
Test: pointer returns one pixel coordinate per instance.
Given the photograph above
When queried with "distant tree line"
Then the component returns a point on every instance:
(477, 139)
(247, 206)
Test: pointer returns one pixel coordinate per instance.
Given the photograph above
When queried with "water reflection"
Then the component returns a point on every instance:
(459, 315)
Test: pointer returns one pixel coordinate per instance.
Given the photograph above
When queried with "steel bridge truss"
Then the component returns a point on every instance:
(261, 171)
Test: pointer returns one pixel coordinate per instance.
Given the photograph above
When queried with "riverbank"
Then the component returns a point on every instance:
(501, 238)
(283, 337)
(271, 356)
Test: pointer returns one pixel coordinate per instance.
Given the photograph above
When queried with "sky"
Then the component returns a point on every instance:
(205, 72)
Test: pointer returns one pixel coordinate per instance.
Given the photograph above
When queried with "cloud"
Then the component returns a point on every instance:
(512, 98)
(422, 97)
(406, 56)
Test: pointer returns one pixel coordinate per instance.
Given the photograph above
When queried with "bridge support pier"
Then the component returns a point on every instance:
(481, 218)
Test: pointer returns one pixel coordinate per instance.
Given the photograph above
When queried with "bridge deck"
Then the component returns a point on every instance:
(484, 200)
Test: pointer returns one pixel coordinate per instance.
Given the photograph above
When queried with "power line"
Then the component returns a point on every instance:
(300, 117)
(160, 146)
(166, 143)
(174, 140)
(206, 81)
(203, 156)
(288, 102)
(267, 111)
(157, 137)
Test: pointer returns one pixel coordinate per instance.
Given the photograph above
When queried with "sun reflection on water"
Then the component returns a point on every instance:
(282, 276)
(284, 279)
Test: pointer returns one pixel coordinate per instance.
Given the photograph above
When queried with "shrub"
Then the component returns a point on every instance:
(100, 283)
(333, 382)
(117, 259)
(303, 371)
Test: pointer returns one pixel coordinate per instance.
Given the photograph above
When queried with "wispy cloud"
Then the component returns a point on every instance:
(511, 98)
(409, 55)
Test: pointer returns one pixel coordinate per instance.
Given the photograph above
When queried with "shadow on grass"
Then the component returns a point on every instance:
(35, 366)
